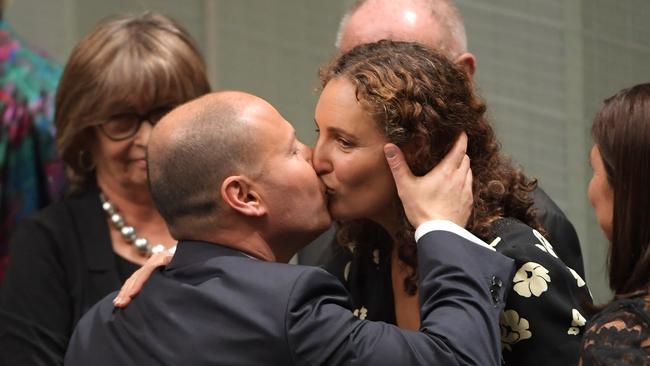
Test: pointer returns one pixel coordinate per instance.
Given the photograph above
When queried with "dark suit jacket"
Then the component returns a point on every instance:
(560, 231)
(62, 263)
(215, 306)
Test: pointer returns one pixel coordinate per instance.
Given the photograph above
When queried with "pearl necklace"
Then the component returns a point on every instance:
(128, 232)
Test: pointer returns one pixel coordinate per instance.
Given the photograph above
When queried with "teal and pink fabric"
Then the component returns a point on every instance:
(31, 174)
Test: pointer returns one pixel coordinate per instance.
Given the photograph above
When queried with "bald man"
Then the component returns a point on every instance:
(237, 190)
(437, 24)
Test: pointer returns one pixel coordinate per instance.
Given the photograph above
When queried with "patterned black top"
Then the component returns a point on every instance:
(542, 323)
(619, 335)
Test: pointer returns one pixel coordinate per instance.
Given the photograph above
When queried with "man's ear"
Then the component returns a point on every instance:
(467, 62)
(238, 193)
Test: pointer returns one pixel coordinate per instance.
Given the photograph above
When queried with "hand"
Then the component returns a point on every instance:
(445, 193)
(133, 285)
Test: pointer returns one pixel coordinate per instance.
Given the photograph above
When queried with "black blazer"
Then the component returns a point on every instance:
(61, 263)
(216, 306)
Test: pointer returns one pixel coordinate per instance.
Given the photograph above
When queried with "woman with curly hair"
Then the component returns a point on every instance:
(408, 95)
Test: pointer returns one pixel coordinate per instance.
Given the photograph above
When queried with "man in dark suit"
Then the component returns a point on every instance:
(437, 24)
(237, 189)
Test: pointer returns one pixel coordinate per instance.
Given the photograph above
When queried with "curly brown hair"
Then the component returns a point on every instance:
(422, 102)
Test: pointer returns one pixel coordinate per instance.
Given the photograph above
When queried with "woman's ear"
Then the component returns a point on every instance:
(238, 193)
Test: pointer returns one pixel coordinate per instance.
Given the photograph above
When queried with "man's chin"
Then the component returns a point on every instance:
(318, 230)
(336, 215)
(326, 224)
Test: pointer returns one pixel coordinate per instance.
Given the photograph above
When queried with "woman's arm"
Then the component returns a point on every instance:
(543, 321)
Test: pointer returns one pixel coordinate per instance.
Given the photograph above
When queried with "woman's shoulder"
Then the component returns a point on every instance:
(521, 242)
(61, 220)
(622, 314)
(74, 206)
(510, 232)
(619, 333)
(534, 255)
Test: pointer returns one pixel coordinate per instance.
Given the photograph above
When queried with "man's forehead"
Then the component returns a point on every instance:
(266, 120)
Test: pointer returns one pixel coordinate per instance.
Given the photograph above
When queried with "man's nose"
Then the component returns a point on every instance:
(308, 153)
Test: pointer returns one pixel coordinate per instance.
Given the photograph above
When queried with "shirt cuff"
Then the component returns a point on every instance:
(445, 225)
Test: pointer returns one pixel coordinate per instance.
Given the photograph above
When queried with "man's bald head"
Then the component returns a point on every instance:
(192, 150)
(435, 23)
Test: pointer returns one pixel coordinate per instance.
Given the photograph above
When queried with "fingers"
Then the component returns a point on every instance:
(465, 164)
(468, 187)
(455, 156)
(134, 284)
(123, 299)
(468, 197)
(397, 163)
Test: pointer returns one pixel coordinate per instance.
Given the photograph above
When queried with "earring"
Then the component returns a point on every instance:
(85, 161)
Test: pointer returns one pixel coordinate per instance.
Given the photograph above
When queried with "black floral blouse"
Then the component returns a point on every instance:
(619, 335)
(542, 323)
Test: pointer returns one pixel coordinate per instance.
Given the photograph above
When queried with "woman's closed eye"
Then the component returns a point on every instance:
(345, 143)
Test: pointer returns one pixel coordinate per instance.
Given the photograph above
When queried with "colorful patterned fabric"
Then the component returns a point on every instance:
(31, 175)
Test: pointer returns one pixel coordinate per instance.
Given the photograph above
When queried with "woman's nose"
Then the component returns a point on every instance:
(320, 160)
(143, 134)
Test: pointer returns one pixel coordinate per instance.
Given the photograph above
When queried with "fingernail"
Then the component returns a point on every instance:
(117, 301)
(390, 152)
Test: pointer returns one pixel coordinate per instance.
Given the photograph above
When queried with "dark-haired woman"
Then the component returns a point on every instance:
(407, 94)
(620, 195)
(118, 82)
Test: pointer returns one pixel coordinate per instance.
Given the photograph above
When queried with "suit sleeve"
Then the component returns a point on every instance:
(461, 299)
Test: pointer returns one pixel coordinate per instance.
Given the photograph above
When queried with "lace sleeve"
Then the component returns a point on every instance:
(619, 335)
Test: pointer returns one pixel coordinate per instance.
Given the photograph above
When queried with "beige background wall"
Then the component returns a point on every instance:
(543, 65)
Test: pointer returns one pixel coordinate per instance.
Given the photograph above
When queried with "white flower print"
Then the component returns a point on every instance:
(578, 321)
(346, 271)
(531, 278)
(579, 279)
(513, 329)
(375, 256)
(361, 313)
(545, 246)
(495, 242)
